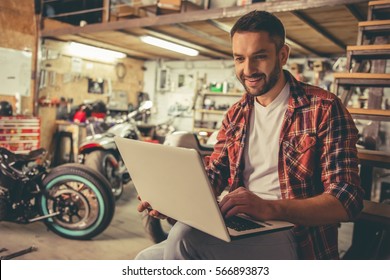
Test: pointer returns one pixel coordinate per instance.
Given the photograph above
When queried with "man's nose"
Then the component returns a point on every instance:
(249, 67)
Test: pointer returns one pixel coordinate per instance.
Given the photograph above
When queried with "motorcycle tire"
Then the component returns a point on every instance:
(81, 197)
(103, 162)
(156, 229)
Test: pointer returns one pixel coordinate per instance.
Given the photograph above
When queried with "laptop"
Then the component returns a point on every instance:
(174, 181)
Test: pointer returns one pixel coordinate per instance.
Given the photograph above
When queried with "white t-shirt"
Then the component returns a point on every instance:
(262, 146)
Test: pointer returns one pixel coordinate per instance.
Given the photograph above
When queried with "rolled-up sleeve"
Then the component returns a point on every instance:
(339, 160)
(218, 163)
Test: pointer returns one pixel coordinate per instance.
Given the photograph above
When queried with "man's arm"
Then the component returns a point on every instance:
(319, 210)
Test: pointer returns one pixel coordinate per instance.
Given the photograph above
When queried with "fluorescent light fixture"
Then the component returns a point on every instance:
(94, 53)
(168, 45)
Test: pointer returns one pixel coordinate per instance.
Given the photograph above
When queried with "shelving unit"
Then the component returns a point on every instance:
(20, 134)
(366, 66)
(207, 117)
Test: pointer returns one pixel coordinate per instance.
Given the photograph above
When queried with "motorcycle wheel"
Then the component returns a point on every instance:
(81, 197)
(156, 229)
(104, 163)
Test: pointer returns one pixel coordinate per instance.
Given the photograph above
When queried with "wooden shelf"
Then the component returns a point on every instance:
(374, 158)
(377, 212)
(207, 111)
(378, 3)
(369, 51)
(368, 76)
(378, 9)
(371, 27)
(375, 114)
(378, 24)
(203, 116)
(369, 48)
(362, 79)
(364, 52)
(221, 94)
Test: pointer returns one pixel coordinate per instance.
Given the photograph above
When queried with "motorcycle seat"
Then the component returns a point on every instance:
(35, 154)
(31, 156)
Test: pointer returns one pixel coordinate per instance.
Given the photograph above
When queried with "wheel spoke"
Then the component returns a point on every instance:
(82, 187)
(75, 207)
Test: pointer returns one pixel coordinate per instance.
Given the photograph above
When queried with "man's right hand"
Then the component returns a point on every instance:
(144, 205)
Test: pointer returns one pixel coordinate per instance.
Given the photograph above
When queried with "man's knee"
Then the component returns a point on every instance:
(180, 231)
(155, 252)
(143, 255)
(182, 240)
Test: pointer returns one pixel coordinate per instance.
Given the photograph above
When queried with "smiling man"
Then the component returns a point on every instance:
(286, 151)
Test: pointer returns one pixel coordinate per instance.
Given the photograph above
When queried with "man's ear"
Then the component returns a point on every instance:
(284, 54)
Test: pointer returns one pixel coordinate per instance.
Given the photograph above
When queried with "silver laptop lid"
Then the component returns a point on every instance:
(162, 174)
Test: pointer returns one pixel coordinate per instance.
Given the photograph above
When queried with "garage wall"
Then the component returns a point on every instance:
(62, 75)
(18, 32)
(183, 80)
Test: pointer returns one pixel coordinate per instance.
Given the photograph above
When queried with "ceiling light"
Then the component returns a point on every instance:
(169, 46)
(94, 53)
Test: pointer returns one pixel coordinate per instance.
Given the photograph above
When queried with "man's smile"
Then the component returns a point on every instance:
(254, 81)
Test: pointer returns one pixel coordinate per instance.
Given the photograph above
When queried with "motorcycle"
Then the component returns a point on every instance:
(100, 153)
(71, 199)
(157, 229)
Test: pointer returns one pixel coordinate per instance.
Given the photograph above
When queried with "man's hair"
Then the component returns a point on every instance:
(257, 21)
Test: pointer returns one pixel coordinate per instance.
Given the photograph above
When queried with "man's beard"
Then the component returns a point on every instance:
(268, 83)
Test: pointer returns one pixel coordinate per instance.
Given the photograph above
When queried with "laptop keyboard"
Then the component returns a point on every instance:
(240, 224)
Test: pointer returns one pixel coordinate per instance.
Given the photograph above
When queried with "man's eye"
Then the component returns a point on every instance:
(239, 59)
(261, 56)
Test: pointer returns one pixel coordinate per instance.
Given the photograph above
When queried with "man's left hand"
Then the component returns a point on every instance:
(243, 201)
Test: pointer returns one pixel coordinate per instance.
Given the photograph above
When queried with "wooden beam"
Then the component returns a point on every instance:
(231, 12)
(203, 35)
(36, 65)
(319, 29)
(106, 11)
(77, 13)
(355, 12)
(219, 25)
(307, 49)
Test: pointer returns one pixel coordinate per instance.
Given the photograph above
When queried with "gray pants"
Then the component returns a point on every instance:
(187, 243)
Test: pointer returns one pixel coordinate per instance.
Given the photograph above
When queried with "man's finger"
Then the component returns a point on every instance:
(157, 215)
(143, 206)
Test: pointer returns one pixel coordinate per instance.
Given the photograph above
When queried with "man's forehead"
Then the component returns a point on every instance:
(258, 41)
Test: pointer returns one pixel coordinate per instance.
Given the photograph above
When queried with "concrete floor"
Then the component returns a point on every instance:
(122, 240)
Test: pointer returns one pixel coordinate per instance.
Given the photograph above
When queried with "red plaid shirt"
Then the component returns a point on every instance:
(317, 155)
